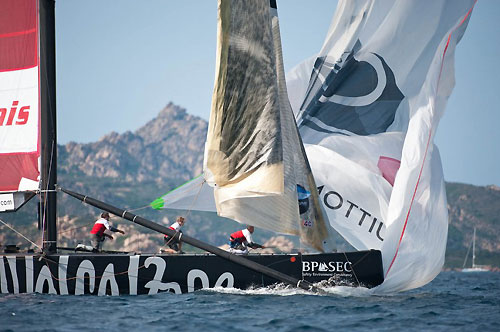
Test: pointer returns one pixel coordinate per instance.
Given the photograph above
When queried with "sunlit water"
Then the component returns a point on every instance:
(454, 301)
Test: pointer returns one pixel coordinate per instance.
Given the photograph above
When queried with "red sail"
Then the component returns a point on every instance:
(19, 95)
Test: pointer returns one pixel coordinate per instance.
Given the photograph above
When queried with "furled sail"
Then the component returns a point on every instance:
(254, 157)
(369, 114)
(19, 96)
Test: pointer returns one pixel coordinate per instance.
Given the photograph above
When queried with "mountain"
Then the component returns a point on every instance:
(169, 146)
(130, 170)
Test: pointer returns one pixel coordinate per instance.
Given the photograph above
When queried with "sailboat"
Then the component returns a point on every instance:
(78, 273)
(260, 162)
(367, 107)
(474, 267)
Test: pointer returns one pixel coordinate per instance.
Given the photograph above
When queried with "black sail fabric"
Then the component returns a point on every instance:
(244, 124)
(254, 157)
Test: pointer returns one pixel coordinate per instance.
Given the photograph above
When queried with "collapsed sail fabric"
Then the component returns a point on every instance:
(19, 96)
(253, 153)
(371, 108)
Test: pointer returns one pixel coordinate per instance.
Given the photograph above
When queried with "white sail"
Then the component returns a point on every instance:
(371, 109)
(253, 152)
(474, 267)
(19, 96)
(195, 194)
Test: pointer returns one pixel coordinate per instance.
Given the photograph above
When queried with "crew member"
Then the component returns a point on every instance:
(173, 242)
(98, 231)
(240, 241)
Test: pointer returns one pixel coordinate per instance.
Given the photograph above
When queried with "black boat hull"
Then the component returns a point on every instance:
(123, 274)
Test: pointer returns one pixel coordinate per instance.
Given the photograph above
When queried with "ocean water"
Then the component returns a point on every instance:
(454, 301)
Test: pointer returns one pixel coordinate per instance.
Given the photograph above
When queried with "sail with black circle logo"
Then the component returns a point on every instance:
(367, 110)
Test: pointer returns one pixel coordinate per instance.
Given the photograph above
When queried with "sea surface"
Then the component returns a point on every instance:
(454, 301)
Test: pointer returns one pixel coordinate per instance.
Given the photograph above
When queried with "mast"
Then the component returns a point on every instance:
(48, 139)
(474, 249)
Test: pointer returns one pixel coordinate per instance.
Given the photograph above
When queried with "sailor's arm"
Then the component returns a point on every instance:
(255, 245)
(250, 243)
(114, 229)
(111, 228)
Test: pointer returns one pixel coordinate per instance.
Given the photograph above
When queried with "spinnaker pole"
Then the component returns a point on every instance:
(194, 242)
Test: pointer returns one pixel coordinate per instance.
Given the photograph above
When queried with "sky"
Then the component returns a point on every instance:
(120, 62)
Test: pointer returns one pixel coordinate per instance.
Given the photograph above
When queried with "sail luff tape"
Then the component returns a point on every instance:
(123, 214)
(133, 220)
(85, 199)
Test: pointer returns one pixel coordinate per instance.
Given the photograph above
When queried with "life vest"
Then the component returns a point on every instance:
(238, 237)
(98, 229)
(175, 226)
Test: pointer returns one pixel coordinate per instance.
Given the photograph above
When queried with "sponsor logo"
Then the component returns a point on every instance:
(325, 267)
(353, 211)
(303, 197)
(355, 94)
(15, 115)
(6, 202)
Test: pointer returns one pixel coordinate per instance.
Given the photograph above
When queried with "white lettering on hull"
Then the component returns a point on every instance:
(62, 275)
(156, 284)
(225, 276)
(3, 277)
(13, 271)
(45, 277)
(108, 277)
(30, 271)
(197, 274)
(86, 268)
(133, 274)
(86, 277)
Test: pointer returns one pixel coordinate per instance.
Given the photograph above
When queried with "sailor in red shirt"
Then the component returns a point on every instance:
(174, 244)
(98, 233)
(240, 241)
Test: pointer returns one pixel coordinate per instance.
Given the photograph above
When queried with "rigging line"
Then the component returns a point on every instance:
(46, 190)
(72, 229)
(186, 215)
(125, 211)
(47, 261)
(195, 199)
(352, 268)
(467, 254)
(20, 234)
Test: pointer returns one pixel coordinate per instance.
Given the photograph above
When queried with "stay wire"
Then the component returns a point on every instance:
(19, 233)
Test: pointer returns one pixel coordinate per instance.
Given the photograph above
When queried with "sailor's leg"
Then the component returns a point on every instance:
(95, 242)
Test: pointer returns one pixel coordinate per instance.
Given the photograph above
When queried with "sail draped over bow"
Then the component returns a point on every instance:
(19, 96)
(369, 110)
(254, 157)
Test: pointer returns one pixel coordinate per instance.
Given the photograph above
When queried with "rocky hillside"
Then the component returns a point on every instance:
(131, 169)
(472, 206)
(169, 146)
